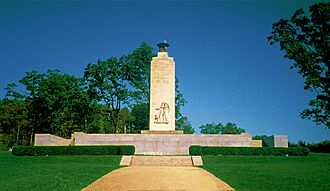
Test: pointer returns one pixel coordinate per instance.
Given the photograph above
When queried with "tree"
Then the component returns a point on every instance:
(211, 128)
(14, 120)
(259, 137)
(305, 39)
(120, 82)
(229, 128)
(55, 103)
(179, 100)
(184, 125)
(140, 113)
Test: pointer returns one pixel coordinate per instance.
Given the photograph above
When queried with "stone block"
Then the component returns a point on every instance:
(50, 140)
(161, 132)
(197, 160)
(125, 160)
(256, 143)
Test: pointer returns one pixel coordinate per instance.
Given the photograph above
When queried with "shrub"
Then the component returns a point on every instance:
(195, 150)
(73, 150)
(322, 147)
(126, 150)
(257, 151)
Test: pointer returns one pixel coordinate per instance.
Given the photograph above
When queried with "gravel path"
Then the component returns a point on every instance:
(159, 178)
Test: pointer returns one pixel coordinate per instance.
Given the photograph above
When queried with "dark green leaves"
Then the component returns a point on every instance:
(229, 128)
(305, 38)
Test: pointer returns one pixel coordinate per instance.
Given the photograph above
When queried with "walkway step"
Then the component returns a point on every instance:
(125, 160)
(197, 160)
(161, 161)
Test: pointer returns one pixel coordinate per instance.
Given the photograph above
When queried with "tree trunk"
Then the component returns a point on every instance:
(32, 137)
(17, 135)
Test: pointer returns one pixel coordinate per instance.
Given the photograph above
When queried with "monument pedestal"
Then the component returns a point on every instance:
(161, 132)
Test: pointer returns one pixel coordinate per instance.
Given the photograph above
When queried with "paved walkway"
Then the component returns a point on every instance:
(159, 178)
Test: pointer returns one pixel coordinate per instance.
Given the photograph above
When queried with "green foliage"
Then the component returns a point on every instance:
(126, 150)
(229, 128)
(53, 173)
(211, 128)
(55, 103)
(257, 151)
(184, 124)
(271, 173)
(3, 147)
(321, 147)
(140, 112)
(73, 150)
(305, 40)
(14, 121)
(179, 100)
(118, 82)
(259, 137)
(196, 150)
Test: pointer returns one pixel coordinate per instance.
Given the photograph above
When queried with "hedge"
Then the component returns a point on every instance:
(257, 151)
(73, 150)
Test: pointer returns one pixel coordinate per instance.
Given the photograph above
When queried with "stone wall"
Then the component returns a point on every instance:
(50, 140)
(280, 141)
(164, 143)
(160, 143)
(256, 143)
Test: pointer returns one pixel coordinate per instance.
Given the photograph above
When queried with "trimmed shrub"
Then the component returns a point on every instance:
(73, 150)
(126, 150)
(256, 151)
(195, 150)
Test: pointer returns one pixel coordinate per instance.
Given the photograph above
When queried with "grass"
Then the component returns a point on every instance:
(53, 172)
(272, 173)
(241, 172)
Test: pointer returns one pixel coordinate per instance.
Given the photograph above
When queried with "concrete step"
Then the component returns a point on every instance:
(161, 161)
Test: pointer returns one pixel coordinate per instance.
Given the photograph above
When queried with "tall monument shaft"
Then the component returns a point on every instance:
(162, 93)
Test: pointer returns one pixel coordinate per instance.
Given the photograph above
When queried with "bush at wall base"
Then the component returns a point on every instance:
(73, 150)
(257, 151)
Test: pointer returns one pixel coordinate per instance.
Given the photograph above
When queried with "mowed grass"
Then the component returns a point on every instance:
(310, 173)
(53, 172)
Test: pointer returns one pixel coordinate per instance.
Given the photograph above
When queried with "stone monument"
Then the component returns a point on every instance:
(162, 93)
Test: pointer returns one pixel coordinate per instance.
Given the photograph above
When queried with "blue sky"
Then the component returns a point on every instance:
(228, 72)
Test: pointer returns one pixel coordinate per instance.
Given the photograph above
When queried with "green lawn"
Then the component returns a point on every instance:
(241, 172)
(310, 173)
(53, 172)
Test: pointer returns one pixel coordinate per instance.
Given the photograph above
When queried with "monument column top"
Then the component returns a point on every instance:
(163, 46)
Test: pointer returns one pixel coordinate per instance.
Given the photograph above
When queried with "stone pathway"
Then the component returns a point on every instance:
(159, 178)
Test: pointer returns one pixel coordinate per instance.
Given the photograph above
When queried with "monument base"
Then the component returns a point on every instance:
(157, 144)
(161, 132)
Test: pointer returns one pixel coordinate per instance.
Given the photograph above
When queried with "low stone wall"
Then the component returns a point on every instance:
(256, 143)
(164, 143)
(50, 140)
(281, 141)
(160, 143)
